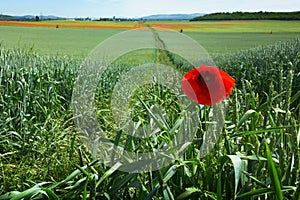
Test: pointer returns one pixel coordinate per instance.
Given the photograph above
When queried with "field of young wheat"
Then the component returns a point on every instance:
(257, 155)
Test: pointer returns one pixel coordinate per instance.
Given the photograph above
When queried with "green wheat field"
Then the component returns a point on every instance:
(256, 157)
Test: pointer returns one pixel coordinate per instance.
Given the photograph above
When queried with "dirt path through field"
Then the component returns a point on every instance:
(162, 54)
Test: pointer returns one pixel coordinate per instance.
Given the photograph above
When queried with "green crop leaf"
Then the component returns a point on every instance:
(187, 193)
(108, 173)
(172, 170)
(263, 191)
(237, 165)
(29, 193)
(255, 193)
(167, 193)
(51, 194)
(152, 193)
(273, 174)
(260, 131)
(9, 195)
(246, 116)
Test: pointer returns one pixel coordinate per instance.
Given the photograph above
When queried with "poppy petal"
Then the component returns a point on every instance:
(207, 85)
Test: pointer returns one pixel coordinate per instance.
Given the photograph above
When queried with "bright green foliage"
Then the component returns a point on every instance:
(52, 41)
(257, 154)
(213, 36)
(36, 127)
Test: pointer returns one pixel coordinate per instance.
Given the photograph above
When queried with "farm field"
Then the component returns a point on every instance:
(238, 26)
(42, 155)
(264, 26)
(52, 41)
(79, 38)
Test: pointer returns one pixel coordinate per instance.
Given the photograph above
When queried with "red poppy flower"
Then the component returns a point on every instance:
(207, 85)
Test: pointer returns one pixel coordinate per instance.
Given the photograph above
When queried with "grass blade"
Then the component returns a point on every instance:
(237, 165)
(273, 174)
(28, 193)
(170, 173)
(124, 181)
(255, 193)
(9, 195)
(51, 194)
(187, 193)
(167, 193)
(263, 191)
(152, 193)
(260, 131)
(247, 115)
(108, 173)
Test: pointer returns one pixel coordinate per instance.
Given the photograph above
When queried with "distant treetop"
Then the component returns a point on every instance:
(250, 16)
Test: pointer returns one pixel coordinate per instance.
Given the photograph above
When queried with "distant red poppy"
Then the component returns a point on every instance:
(207, 85)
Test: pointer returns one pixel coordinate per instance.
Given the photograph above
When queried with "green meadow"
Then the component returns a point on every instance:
(213, 36)
(51, 41)
(256, 157)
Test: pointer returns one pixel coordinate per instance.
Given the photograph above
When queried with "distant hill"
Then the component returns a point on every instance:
(29, 18)
(172, 16)
(25, 17)
(250, 16)
(6, 17)
(51, 17)
(150, 17)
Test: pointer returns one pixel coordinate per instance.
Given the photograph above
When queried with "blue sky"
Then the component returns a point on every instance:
(139, 8)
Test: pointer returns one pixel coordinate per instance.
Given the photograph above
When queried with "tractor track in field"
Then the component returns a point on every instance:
(162, 54)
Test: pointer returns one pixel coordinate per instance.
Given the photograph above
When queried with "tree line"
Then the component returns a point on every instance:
(250, 16)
